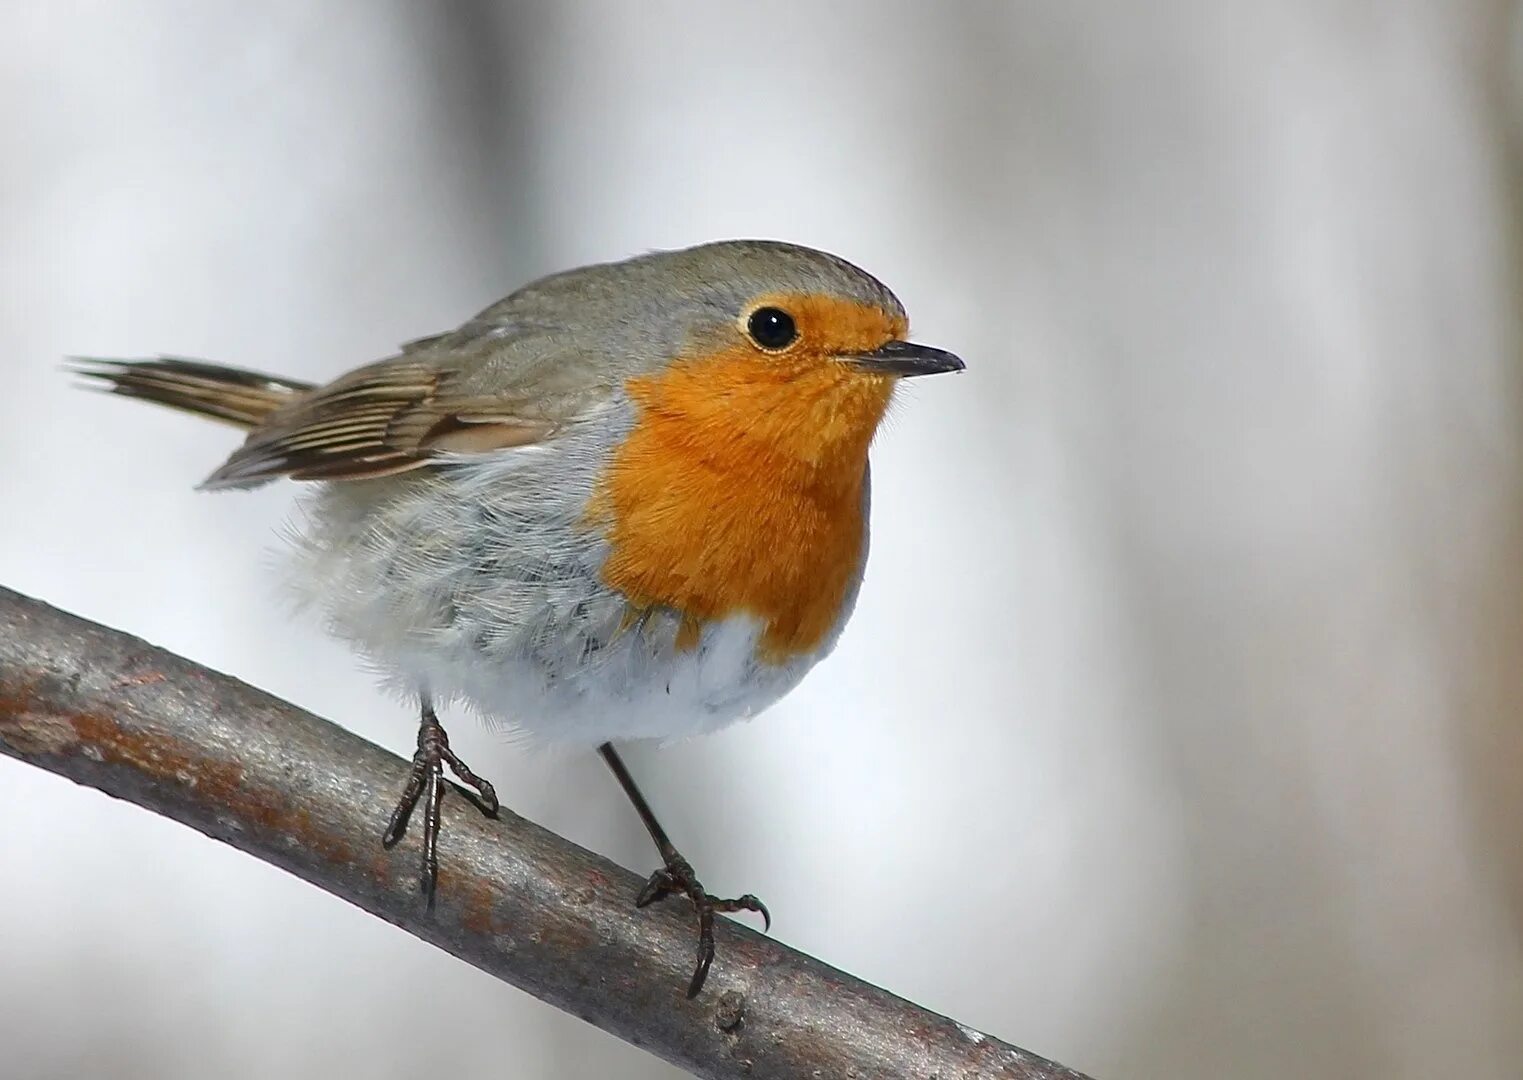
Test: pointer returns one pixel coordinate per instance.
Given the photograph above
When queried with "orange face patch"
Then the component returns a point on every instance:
(739, 488)
(829, 326)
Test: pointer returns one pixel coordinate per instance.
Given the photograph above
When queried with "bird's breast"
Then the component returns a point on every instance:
(709, 523)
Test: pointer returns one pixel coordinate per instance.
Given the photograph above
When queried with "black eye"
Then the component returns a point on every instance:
(771, 328)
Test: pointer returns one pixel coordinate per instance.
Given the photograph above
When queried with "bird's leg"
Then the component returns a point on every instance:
(427, 776)
(677, 877)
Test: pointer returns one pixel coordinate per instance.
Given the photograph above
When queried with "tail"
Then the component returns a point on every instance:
(232, 395)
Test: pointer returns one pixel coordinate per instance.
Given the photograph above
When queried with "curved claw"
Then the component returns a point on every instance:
(658, 887)
(396, 827)
(678, 877)
(749, 902)
(701, 972)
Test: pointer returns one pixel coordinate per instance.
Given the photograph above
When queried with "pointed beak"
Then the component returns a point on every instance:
(905, 358)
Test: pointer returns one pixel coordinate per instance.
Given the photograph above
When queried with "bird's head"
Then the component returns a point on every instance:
(769, 350)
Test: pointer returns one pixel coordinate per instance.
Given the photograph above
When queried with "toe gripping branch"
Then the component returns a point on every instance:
(677, 878)
(427, 776)
(426, 783)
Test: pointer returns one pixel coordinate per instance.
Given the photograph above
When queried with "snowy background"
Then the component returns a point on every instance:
(1182, 716)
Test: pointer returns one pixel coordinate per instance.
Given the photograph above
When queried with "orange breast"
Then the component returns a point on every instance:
(740, 490)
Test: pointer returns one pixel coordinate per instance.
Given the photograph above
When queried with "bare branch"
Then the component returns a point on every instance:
(113, 712)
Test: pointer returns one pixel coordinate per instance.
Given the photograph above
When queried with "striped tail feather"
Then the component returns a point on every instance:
(233, 395)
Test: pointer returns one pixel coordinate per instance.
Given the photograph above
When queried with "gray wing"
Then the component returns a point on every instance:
(485, 387)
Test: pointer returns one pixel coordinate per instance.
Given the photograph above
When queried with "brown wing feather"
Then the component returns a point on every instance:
(378, 420)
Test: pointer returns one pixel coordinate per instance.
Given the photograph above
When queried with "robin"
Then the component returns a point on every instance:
(629, 501)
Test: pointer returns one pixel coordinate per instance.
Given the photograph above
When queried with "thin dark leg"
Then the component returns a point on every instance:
(428, 776)
(677, 876)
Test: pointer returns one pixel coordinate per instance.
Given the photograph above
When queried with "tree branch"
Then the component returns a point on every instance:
(108, 710)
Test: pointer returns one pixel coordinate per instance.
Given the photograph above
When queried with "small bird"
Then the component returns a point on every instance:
(629, 501)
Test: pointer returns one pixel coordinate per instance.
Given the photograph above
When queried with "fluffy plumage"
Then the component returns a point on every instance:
(596, 510)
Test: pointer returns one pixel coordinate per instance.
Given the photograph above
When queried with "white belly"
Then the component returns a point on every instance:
(480, 583)
(638, 685)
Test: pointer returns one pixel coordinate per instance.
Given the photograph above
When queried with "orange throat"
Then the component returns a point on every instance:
(740, 491)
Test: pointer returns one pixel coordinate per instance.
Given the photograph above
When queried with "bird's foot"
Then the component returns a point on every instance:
(427, 779)
(677, 878)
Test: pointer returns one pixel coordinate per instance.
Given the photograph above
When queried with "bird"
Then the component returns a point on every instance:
(630, 501)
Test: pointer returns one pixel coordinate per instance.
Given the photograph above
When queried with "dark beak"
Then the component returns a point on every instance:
(905, 358)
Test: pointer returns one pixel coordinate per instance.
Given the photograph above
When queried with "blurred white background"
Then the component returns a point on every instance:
(1179, 732)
